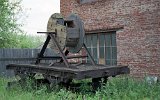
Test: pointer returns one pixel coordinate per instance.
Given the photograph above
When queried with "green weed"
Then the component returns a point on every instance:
(119, 88)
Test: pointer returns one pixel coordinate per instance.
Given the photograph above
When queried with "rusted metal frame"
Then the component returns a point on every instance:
(101, 73)
(78, 75)
(41, 54)
(50, 58)
(15, 59)
(38, 67)
(90, 56)
(45, 71)
(78, 56)
(60, 50)
(44, 46)
(41, 58)
(65, 53)
(123, 69)
(47, 32)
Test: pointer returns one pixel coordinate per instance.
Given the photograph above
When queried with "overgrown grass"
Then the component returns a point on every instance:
(121, 88)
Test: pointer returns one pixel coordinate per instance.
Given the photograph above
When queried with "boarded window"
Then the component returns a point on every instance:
(103, 47)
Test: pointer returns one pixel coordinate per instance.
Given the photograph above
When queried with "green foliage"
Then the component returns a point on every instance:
(28, 41)
(11, 36)
(123, 88)
(9, 12)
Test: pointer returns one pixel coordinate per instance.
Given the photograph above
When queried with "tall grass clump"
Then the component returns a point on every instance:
(127, 88)
(119, 88)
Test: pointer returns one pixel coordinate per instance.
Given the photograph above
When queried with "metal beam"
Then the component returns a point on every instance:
(60, 50)
(90, 56)
(43, 49)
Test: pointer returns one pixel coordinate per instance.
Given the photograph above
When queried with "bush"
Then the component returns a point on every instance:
(28, 41)
(9, 11)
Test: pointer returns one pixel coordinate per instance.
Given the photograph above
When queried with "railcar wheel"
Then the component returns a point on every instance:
(96, 83)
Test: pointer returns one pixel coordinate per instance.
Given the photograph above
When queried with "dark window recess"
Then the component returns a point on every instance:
(102, 47)
(69, 23)
(86, 1)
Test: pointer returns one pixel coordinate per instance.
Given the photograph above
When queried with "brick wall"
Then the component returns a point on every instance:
(138, 43)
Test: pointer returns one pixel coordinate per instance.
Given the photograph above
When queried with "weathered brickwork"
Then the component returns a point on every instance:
(138, 42)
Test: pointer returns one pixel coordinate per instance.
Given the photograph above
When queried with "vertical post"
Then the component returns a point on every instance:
(91, 58)
(60, 50)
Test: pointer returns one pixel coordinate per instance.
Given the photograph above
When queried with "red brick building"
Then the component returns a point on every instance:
(123, 32)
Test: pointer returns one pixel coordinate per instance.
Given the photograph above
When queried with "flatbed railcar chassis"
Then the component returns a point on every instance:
(63, 71)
